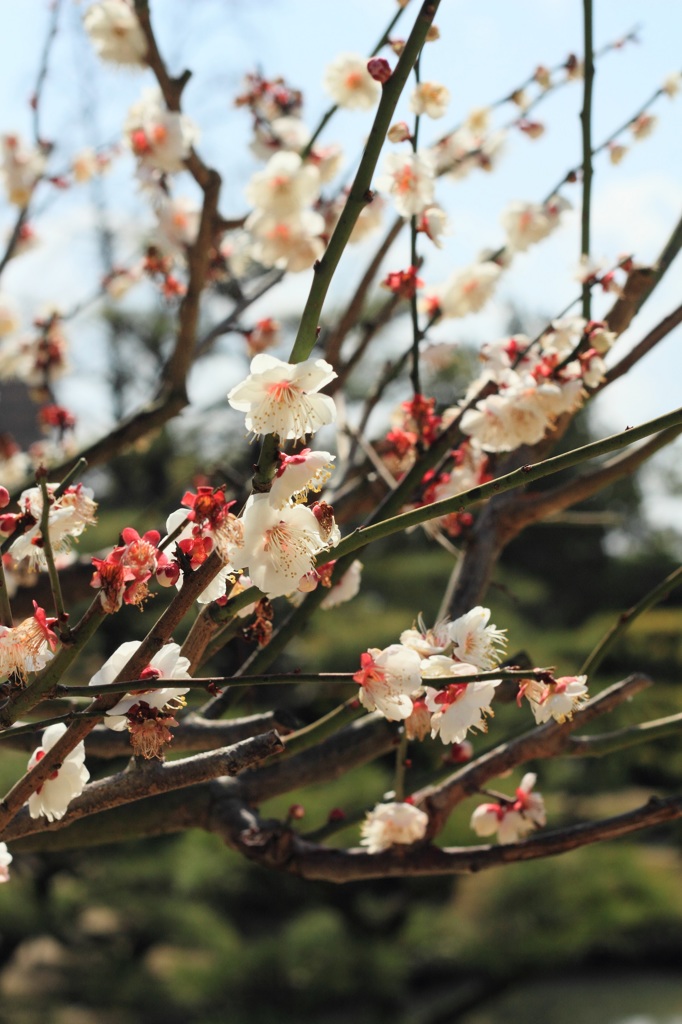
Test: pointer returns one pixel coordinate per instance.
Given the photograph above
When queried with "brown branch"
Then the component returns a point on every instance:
(152, 778)
(541, 742)
(307, 860)
(533, 507)
(660, 331)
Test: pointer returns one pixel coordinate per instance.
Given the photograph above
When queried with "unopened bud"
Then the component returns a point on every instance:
(379, 69)
(432, 34)
(399, 132)
(4, 497)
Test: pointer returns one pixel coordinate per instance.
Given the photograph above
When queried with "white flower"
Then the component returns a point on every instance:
(178, 223)
(5, 861)
(284, 186)
(286, 132)
(409, 177)
(350, 84)
(460, 706)
(387, 679)
(57, 792)
(115, 32)
(434, 223)
(513, 820)
(392, 823)
(558, 699)
(161, 139)
(68, 517)
(281, 398)
(466, 291)
(528, 223)
(22, 167)
(9, 316)
(298, 474)
(672, 84)
(166, 664)
(279, 545)
(27, 647)
(426, 641)
(430, 98)
(291, 243)
(346, 589)
(477, 642)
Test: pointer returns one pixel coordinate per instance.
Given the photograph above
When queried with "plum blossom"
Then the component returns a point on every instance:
(392, 823)
(286, 132)
(475, 641)
(514, 819)
(557, 698)
(27, 647)
(68, 781)
(21, 168)
(161, 139)
(196, 544)
(409, 178)
(166, 664)
(115, 32)
(299, 474)
(387, 680)
(528, 223)
(459, 706)
(279, 545)
(284, 186)
(68, 516)
(281, 398)
(292, 242)
(5, 861)
(346, 588)
(430, 98)
(466, 291)
(350, 84)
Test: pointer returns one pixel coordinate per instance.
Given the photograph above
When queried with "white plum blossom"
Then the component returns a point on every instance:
(409, 178)
(288, 132)
(161, 139)
(392, 823)
(387, 680)
(430, 98)
(115, 32)
(284, 186)
(67, 782)
(528, 223)
(68, 517)
(512, 820)
(434, 223)
(22, 166)
(475, 641)
(426, 642)
(178, 223)
(166, 664)
(459, 706)
(279, 545)
(281, 398)
(346, 589)
(27, 647)
(350, 84)
(5, 861)
(299, 474)
(557, 699)
(466, 291)
(292, 242)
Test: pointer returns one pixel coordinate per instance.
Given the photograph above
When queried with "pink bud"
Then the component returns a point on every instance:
(379, 69)
(297, 811)
(4, 497)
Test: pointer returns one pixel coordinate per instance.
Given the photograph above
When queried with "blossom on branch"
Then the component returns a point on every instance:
(388, 824)
(555, 698)
(161, 139)
(430, 98)
(115, 32)
(281, 398)
(68, 516)
(409, 177)
(387, 680)
(166, 664)
(66, 782)
(27, 647)
(5, 861)
(514, 819)
(350, 84)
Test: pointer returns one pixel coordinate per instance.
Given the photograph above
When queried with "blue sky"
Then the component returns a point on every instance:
(484, 51)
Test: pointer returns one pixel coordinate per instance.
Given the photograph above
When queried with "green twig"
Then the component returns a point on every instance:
(586, 121)
(55, 586)
(360, 193)
(659, 592)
